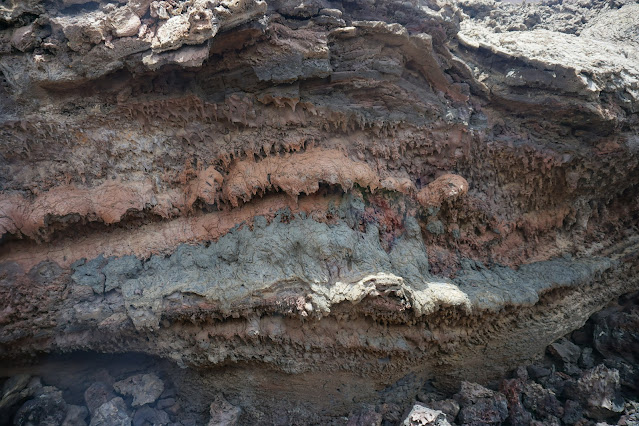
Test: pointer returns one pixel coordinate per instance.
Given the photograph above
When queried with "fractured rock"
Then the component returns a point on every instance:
(46, 409)
(431, 188)
(541, 401)
(366, 416)
(223, 413)
(424, 416)
(565, 350)
(76, 416)
(15, 384)
(144, 388)
(111, 413)
(97, 394)
(124, 22)
(480, 405)
(599, 388)
(24, 38)
(146, 415)
(512, 389)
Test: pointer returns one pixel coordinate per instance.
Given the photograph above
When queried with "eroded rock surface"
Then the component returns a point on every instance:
(370, 195)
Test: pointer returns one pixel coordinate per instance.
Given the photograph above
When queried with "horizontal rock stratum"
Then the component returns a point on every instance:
(287, 191)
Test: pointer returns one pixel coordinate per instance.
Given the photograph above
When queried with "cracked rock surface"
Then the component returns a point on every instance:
(282, 192)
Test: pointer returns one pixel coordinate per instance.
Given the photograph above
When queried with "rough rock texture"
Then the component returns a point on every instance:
(144, 388)
(549, 392)
(325, 203)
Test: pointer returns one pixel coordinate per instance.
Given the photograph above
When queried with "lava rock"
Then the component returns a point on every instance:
(600, 388)
(164, 403)
(168, 393)
(480, 405)
(76, 416)
(536, 371)
(587, 359)
(124, 22)
(111, 413)
(147, 416)
(24, 38)
(366, 416)
(629, 420)
(573, 412)
(449, 407)
(424, 416)
(559, 383)
(437, 401)
(631, 415)
(46, 409)
(391, 413)
(628, 373)
(145, 388)
(223, 413)
(583, 336)
(615, 334)
(97, 394)
(542, 402)
(15, 384)
(512, 389)
(15, 392)
(572, 369)
(565, 350)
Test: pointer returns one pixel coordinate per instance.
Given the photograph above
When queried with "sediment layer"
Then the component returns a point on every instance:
(316, 187)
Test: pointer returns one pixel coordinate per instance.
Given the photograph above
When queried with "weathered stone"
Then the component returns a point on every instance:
(615, 334)
(15, 384)
(46, 409)
(366, 416)
(542, 402)
(76, 416)
(24, 38)
(573, 412)
(111, 413)
(144, 388)
(424, 416)
(536, 371)
(322, 202)
(480, 405)
(146, 415)
(97, 394)
(140, 7)
(223, 413)
(124, 22)
(565, 350)
(83, 31)
(449, 407)
(599, 388)
(512, 389)
(628, 372)
(586, 359)
(164, 403)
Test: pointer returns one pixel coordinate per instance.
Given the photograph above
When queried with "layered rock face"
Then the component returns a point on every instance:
(313, 201)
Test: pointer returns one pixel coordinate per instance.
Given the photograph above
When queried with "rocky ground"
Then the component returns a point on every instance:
(589, 377)
(315, 207)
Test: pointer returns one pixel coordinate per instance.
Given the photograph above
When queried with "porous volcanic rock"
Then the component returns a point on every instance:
(320, 204)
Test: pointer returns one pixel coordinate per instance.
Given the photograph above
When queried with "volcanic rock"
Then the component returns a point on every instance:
(111, 413)
(424, 416)
(313, 206)
(144, 388)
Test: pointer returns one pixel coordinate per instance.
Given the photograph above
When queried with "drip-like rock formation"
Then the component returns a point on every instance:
(318, 203)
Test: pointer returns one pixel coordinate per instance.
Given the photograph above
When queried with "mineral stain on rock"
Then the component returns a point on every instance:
(285, 212)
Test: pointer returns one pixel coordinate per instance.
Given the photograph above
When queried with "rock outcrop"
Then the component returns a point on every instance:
(331, 196)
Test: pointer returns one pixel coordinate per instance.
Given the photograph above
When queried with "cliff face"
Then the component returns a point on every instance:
(300, 190)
